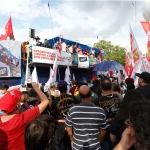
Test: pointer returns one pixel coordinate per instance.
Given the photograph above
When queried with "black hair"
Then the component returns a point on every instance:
(32, 93)
(39, 132)
(84, 96)
(106, 84)
(83, 83)
(96, 81)
(62, 89)
(115, 87)
(122, 115)
(4, 87)
(130, 86)
(139, 115)
(88, 81)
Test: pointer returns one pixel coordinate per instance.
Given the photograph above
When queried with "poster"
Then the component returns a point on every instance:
(46, 55)
(10, 62)
(83, 61)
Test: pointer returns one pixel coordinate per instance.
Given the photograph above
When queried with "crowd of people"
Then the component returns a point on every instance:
(93, 115)
(63, 46)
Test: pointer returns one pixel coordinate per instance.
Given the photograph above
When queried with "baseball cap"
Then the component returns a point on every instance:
(145, 76)
(62, 86)
(9, 101)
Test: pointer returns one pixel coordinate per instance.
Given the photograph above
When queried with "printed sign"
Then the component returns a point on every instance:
(83, 61)
(10, 62)
(46, 55)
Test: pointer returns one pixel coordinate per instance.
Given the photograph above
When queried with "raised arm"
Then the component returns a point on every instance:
(44, 100)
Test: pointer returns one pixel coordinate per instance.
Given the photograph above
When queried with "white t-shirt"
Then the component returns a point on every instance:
(64, 47)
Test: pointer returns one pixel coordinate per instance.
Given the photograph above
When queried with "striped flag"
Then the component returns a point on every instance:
(136, 54)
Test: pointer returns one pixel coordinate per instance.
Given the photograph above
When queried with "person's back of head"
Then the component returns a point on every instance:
(32, 93)
(62, 86)
(39, 132)
(96, 82)
(115, 87)
(130, 86)
(139, 119)
(85, 92)
(106, 84)
(4, 88)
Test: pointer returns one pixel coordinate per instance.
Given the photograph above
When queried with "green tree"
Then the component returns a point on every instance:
(113, 52)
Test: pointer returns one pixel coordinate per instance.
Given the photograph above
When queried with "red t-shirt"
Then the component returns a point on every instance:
(12, 131)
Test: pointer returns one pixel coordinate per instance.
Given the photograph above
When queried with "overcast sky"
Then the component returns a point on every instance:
(81, 20)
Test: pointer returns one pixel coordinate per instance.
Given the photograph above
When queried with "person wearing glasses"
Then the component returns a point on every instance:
(137, 130)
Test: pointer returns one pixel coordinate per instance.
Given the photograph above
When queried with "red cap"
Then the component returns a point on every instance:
(9, 101)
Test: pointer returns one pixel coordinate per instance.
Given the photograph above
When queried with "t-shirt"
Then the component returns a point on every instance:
(110, 103)
(86, 119)
(61, 105)
(12, 131)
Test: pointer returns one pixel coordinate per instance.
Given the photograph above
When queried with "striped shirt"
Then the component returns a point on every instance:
(86, 119)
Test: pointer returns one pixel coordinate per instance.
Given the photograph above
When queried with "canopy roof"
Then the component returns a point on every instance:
(53, 40)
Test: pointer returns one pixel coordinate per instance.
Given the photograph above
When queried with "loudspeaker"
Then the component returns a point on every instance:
(32, 33)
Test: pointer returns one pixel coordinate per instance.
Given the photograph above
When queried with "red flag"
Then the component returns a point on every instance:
(146, 26)
(8, 30)
(134, 48)
(128, 65)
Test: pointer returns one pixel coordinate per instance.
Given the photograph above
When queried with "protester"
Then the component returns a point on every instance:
(32, 101)
(96, 87)
(39, 133)
(12, 124)
(24, 97)
(116, 90)
(74, 87)
(61, 106)
(117, 126)
(144, 84)
(110, 103)
(137, 131)
(64, 46)
(78, 99)
(47, 44)
(3, 89)
(85, 123)
(130, 86)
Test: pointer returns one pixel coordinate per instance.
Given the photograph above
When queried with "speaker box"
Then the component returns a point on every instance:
(32, 33)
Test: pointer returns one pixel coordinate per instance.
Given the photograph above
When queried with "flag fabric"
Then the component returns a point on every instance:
(136, 54)
(8, 30)
(28, 78)
(34, 77)
(146, 27)
(54, 71)
(128, 65)
(48, 82)
(74, 77)
(68, 78)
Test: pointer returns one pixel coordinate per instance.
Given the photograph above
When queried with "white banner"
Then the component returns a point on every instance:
(46, 55)
(83, 61)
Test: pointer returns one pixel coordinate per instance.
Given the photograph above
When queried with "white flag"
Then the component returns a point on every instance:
(48, 82)
(28, 72)
(67, 77)
(74, 77)
(34, 75)
(54, 72)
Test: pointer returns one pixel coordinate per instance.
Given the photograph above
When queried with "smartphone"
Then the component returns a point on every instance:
(29, 85)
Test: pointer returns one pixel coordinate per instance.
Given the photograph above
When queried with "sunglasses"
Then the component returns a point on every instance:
(128, 123)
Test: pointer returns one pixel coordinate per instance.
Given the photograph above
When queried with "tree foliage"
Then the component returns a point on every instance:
(113, 52)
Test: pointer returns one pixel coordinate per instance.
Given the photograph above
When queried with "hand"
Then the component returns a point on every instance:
(35, 85)
(127, 139)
